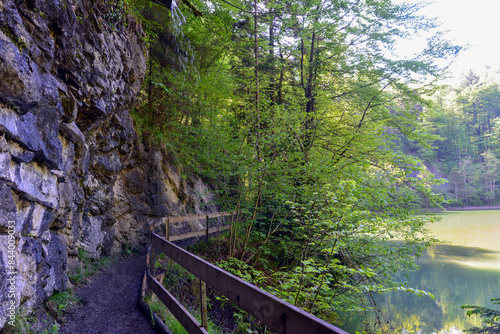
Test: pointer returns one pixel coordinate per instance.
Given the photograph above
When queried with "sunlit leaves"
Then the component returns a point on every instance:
(326, 201)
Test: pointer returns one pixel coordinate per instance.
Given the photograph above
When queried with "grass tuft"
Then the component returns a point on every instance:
(59, 302)
(89, 267)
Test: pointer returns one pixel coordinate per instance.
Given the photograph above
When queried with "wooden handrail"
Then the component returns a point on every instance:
(176, 219)
(205, 232)
(195, 234)
(276, 313)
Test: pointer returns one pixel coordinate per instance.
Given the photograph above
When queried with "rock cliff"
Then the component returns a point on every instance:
(74, 174)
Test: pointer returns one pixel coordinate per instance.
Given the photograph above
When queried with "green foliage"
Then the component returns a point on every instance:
(22, 323)
(168, 319)
(295, 113)
(490, 318)
(128, 249)
(61, 301)
(54, 329)
(116, 13)
(89, 266)
(27, 323)
(243, 270)
(171, 322)
(347, 253)
(467, 155)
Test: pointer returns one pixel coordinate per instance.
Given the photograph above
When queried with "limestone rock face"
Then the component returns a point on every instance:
(73, 173)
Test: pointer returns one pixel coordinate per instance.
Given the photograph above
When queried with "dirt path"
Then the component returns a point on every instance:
(109, 302)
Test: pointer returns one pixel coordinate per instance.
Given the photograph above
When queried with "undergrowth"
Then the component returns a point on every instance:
(61, 301)
(38, 321)
(171, 322)
(89, 267)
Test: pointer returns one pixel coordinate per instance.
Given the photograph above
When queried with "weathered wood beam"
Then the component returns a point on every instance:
(201, 233)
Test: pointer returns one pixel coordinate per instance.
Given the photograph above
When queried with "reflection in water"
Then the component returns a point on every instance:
(453, 285)
(464, 272)
(466, 256)
(478, 232)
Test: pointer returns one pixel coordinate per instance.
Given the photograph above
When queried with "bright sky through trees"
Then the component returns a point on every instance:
(473, 23)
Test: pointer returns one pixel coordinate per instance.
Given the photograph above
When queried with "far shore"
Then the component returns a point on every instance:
(467, 208)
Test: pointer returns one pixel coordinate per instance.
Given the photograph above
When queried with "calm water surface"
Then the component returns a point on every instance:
(464, 270)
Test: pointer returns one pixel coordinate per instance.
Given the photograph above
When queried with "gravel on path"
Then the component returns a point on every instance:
(109, 302)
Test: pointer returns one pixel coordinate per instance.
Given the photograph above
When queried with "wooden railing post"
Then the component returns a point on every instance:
(152, 260)
(203, 304)
(206, 231)
(167, 230)
(152, 253)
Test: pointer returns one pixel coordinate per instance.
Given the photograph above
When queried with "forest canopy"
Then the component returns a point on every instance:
(467, 120)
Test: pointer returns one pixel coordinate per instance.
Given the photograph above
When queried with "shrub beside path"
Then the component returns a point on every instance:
(109, 302)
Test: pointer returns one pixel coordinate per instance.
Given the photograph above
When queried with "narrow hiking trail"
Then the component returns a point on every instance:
(109, 302)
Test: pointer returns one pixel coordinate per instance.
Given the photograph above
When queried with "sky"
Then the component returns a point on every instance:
(474, 23)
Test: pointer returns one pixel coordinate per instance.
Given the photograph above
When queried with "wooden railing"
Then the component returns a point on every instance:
(205, 216)
(277, 314)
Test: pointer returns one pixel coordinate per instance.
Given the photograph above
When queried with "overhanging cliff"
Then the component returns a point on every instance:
(73, 172)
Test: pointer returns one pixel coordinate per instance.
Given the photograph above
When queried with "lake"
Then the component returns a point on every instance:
(464, 270)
